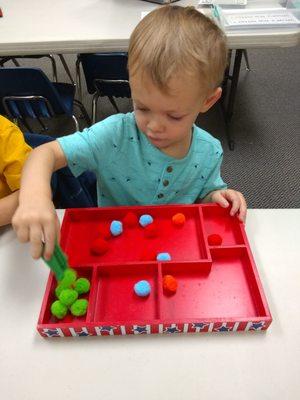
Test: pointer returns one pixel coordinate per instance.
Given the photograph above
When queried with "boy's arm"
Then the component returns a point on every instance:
(35, 220)
(8, 206)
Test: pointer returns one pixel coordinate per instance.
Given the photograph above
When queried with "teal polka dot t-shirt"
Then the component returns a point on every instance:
(131, 171)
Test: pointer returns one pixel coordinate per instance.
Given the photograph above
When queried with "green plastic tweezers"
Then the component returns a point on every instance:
(58, 263)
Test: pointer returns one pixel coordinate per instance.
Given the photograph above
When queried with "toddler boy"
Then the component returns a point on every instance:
(155, 155)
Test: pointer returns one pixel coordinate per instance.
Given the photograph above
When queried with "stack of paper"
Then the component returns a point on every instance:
(257, 18)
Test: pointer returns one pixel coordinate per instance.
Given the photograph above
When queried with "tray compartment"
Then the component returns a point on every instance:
(115, 299)
(186, 243)
(230, 291)
(218, 220)
(46, 318)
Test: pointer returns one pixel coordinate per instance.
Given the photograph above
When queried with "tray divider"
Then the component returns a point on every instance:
(159, 290)
(92, 297)
(203, 239)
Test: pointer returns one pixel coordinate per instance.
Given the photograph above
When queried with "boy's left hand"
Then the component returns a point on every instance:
(226, 196)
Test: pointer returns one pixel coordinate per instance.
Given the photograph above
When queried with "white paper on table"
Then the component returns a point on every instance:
(223, 2)
(260, 18)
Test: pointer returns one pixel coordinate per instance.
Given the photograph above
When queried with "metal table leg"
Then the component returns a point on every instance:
(228, 104)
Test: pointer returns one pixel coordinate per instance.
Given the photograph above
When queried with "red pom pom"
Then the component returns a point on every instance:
(214, 239)
(170, 284)
(99, 246)
(105, 233)
(178, 219)
(130, 220)
(151, 230)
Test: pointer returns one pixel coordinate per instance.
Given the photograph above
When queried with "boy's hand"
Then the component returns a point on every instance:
(37, 223)
(226, 196)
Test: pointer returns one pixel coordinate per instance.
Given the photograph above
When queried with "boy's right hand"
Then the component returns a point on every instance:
(37, 222)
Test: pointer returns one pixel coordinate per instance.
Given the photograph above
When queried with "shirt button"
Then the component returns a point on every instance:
(160, 195)
(165, 182)
(169, 168)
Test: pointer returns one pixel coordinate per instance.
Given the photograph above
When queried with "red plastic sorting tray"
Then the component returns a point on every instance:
(218, 286)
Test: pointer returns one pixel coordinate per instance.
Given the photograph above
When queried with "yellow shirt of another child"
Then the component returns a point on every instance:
(13, 153)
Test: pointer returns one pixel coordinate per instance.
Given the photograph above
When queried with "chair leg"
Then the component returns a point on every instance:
(113, 102)
(78, 80)
(245, 54)
(5, 59)
(83, 111)
(54, 69)
(94, 107)
(76, 123)
(65, 65)
(15, 62)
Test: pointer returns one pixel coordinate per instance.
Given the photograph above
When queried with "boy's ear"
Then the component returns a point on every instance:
(211, 100)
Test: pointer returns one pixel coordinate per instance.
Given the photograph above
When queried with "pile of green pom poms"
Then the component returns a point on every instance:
(67, 291)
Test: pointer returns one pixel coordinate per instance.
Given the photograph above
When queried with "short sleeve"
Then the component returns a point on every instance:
(214, 180)
(85, 150)
(14, 152)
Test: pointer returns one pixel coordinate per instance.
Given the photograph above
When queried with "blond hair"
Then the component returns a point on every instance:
(172, 40)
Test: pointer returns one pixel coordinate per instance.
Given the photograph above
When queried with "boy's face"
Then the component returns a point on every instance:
(167, 119)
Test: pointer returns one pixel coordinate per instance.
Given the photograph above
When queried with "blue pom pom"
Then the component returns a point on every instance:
(163, 257)
(145, 220)
(116, 228)
(142, 288)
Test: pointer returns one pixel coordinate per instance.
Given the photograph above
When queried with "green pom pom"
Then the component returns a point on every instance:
(82, 285)
(58, 309)
(70, 276)
(79, 308)
(68, 296)
(58, 290)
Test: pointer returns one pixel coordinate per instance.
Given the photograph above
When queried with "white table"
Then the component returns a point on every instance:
(227, 366)
(68, 26)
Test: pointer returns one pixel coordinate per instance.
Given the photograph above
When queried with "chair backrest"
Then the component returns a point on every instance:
(103, 73)
(68, 191)
(28, 82)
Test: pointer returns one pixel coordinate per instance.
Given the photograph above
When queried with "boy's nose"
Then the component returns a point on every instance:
(154, 125)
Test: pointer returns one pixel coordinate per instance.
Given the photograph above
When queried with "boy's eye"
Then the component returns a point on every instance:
(141, 109)
(174, 117)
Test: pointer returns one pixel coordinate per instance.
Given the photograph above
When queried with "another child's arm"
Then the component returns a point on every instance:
(224, 197)
(8, 206)
(35, 220)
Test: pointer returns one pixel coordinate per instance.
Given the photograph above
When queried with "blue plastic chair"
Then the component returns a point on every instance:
(106, 75)
(68, 191)
(28, 93)
(14, 60)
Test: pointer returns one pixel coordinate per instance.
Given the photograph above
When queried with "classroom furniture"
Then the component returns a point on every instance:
(91, 26)
(15, 61)
(28, 93)
(235, 366)
(106, 75)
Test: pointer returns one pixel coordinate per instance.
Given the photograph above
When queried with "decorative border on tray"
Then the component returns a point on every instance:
(147, 329)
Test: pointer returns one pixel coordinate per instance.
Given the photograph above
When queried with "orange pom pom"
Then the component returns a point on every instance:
(170, 284)
(178, 219)
(99, 246)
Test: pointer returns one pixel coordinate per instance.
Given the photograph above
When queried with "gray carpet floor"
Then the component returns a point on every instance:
(265, 164)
